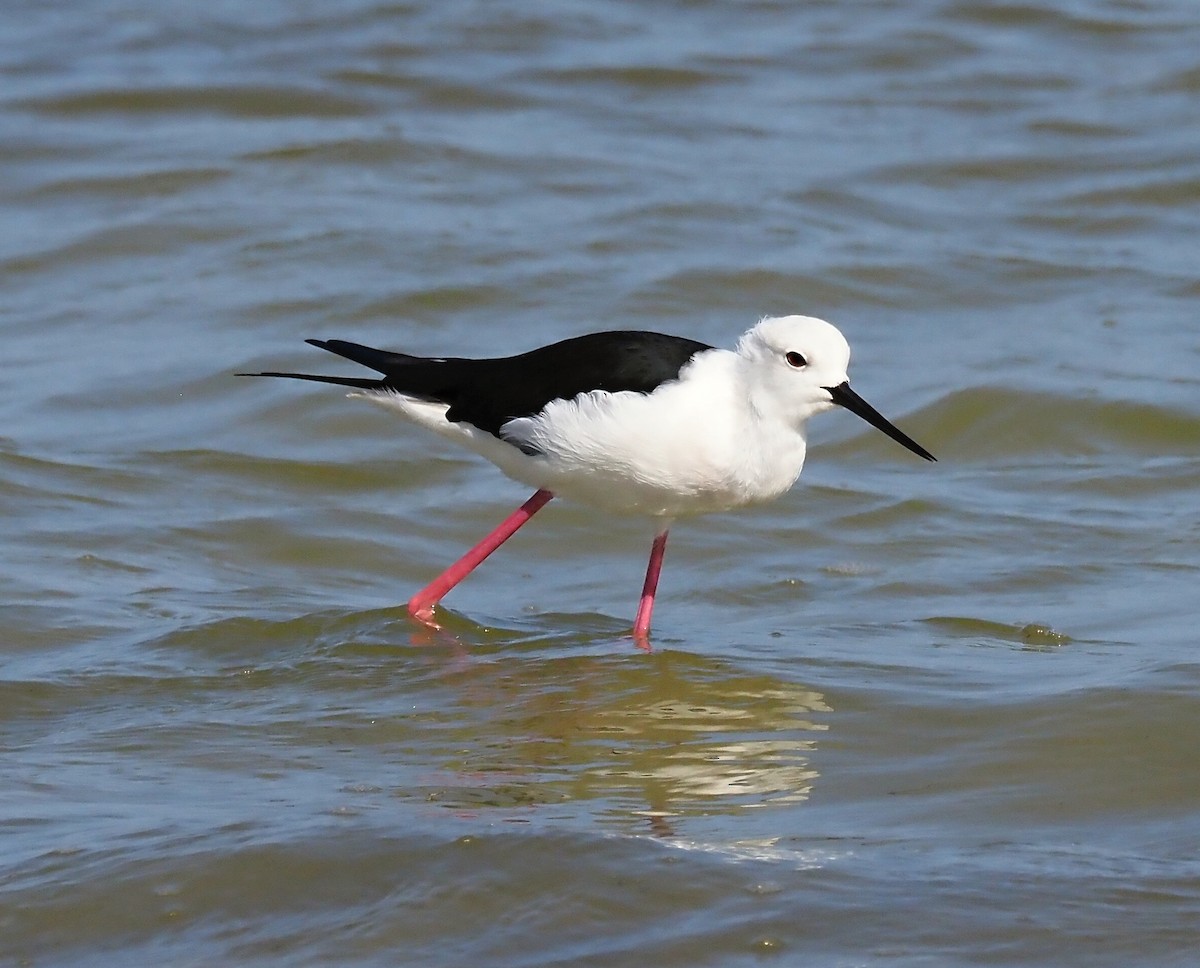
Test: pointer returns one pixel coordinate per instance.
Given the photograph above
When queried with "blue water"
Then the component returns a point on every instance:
(909, 715)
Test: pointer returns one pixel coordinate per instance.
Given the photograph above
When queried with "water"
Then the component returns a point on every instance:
(909, 715)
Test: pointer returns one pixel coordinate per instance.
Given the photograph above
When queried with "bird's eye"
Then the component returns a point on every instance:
(795, 359)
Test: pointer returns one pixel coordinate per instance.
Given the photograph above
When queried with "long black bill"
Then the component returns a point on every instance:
(843, 396)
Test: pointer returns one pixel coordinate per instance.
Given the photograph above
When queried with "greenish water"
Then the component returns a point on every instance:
(909, 715)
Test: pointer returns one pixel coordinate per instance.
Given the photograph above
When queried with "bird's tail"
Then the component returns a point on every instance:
(345, 381)
(382, 361)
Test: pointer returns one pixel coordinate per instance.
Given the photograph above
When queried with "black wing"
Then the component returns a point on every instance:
(489, 393)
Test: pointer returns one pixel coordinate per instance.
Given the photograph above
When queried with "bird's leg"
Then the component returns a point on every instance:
(420, 606)
(641, 625)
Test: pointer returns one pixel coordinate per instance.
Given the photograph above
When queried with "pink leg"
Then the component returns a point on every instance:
(420, 606)
(641, 625)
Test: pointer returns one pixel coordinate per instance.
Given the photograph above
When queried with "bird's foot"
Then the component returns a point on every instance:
(423, 613)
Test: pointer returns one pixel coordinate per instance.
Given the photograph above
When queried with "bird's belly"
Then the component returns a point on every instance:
(625, 496)
(672, 487)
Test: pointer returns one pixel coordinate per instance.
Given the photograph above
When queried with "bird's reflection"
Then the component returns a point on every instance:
(637, 742)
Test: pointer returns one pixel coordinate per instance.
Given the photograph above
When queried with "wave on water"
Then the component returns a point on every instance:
(995, 423)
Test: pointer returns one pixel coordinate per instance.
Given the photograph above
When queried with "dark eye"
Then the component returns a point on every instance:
(795, 359)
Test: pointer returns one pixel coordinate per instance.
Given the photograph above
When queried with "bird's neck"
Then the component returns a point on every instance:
(773, 448)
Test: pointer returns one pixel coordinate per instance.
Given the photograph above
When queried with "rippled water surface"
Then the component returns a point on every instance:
(911, 714)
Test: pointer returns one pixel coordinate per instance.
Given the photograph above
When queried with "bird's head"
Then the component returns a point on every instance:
(801, 365)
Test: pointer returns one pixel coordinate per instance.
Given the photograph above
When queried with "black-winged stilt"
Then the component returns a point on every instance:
(632, 422)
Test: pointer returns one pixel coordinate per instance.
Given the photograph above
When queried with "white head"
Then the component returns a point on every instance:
(795, 358)
(800, 368)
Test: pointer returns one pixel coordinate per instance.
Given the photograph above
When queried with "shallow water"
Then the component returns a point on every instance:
(908, 715)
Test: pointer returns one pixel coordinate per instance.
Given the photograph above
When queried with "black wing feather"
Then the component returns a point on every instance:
(488, 393)
(381, 361)
(346, 381)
